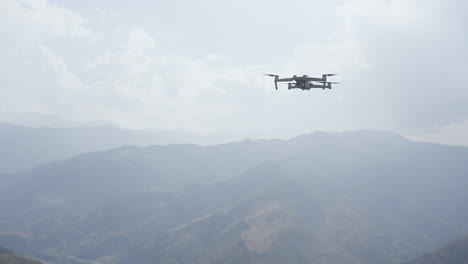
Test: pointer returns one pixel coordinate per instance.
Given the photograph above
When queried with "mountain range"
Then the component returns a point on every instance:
(354, 197)
(23, 147)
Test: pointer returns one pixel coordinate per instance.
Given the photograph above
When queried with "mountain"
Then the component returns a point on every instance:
(455, 252)
(13, 259)
(9, 257)
(6, 251)
(26, 147)
(354, 197)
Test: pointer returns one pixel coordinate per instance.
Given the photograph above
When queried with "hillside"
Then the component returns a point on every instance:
(355, 197)
(26, 147)
(9, 257)
(455, 252)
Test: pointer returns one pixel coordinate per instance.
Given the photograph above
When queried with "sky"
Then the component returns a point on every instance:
(198, 65)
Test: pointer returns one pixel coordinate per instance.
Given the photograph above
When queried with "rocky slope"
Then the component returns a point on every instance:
(455, 252)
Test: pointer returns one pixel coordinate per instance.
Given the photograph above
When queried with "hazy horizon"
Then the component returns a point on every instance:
(151, 132)
(198, 67)
(452, 134)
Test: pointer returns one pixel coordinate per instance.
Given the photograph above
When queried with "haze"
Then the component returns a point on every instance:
(197, 66)
(147, 132)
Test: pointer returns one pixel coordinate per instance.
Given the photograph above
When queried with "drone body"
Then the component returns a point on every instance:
(304, 82)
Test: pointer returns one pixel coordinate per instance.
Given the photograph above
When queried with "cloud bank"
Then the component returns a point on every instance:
(199, 69)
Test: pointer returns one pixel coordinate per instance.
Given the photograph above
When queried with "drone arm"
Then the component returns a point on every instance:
(322, 86)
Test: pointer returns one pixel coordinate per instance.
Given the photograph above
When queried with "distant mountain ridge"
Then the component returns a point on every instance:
(26, 147)
(358, 197)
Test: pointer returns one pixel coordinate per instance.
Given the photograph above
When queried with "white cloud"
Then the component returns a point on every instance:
(170, 91)
(145, 75)
(34, 76)
(56, 65)
(36, 19)
(395, 13)
(455, 133)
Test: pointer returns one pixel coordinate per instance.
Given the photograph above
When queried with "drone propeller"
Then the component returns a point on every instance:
(276, 78)
(271, 75)
(331, 74)
(329, 82)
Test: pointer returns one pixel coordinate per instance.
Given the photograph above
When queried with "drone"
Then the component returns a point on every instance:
(305, 82)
